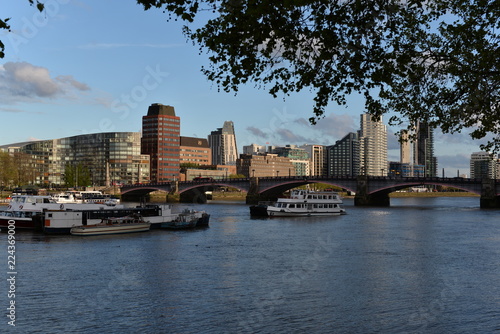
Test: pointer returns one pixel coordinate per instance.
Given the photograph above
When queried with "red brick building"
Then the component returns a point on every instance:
(161, 141)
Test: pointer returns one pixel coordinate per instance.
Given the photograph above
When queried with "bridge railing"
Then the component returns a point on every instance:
(310, 178)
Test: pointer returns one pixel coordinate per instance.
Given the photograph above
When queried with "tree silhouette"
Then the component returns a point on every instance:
(431, 61)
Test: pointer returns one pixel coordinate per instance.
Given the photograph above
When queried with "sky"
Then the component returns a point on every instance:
(95, 66)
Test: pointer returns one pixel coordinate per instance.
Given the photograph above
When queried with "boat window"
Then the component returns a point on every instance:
(291, 206)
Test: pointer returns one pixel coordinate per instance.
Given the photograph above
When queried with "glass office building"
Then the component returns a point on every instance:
(110, 158)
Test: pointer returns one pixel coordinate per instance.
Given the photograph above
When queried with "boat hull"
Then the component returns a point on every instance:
(272, 213)
(106, 230)
(19, 223)
(187, 221)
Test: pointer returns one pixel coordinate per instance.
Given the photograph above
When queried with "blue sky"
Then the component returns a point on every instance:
(95, 66)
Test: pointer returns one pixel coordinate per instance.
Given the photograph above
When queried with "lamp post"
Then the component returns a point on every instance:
(253, 172)
(277, 173)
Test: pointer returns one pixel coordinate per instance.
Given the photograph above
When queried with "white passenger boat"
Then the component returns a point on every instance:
(67, 197)
(307, 203)
(129, 224)
(26, 210)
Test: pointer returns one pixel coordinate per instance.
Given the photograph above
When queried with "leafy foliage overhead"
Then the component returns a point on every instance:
(431, 61)
(4, 23)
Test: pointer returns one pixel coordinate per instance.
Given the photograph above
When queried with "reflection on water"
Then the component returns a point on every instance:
(422, 265)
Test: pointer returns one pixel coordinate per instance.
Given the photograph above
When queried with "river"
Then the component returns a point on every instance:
(423, 265)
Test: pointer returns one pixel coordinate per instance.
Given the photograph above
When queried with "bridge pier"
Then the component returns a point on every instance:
(372, 200)
(362, 198)
(253, 196)
(489, 199)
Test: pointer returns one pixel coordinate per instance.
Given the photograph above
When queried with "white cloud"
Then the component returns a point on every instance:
(24, 82)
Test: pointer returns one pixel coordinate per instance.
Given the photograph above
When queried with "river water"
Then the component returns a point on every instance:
(423, 265)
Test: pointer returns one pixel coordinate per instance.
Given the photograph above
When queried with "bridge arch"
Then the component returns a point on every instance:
(212, 185)
(393, 188)
(141, 190)
(272, 192)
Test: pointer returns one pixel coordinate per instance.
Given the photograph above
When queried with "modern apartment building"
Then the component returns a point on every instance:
(483, 165)
(373, 147)
(423, 149)
(223, 145)
(264, 165)
(161, 141)
(317, 159)
(343, 157)
(110, 158)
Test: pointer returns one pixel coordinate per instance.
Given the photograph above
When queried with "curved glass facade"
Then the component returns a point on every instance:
(110, 157)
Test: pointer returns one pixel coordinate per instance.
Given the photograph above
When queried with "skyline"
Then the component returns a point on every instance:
(107, 73)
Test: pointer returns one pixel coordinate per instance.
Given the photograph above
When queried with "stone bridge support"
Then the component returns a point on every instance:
(489, 198)
(363, 198)
(253, 196)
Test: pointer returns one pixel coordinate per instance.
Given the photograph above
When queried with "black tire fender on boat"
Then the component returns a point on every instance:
(62, 206)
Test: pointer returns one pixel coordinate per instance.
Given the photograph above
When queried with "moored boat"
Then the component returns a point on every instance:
(61, 222)
(187, 219)
(27, 210)
(307, 203)
(260, 209)
(120, 225)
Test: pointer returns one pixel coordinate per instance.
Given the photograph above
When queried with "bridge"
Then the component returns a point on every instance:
(369, 190)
